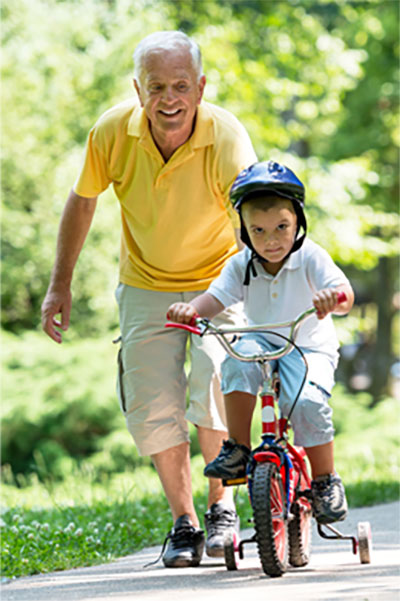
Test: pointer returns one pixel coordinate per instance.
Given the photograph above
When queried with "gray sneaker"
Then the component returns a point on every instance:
(328, 499)
(217, 520)
(230, 463)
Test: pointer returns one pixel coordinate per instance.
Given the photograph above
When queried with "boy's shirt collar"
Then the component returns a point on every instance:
(293, 262)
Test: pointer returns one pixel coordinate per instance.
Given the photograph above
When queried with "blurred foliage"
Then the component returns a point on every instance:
(60, 413)
(315, 83)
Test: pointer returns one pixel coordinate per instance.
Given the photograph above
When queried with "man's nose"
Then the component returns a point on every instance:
(169, 93)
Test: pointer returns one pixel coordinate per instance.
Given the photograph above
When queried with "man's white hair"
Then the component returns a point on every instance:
(166, 40)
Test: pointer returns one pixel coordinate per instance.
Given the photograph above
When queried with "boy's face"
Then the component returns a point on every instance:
(271, 230)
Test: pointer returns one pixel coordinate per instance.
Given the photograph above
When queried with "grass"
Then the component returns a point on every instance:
(86, 519)
(80, 522)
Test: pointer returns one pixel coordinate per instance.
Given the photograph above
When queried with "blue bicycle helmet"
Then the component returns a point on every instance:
(273, 179)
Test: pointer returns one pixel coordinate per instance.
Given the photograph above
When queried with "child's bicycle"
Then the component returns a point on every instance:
(278, 480)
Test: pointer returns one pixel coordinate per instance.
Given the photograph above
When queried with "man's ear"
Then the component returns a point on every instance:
(201, 84)
(137, 88)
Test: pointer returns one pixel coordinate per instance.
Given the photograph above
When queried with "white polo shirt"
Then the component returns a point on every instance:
(273, 299)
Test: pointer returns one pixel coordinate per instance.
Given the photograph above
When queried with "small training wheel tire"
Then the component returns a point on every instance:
(231, 544)
(364, 541)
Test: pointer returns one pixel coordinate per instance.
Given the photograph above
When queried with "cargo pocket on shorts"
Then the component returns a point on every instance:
(120, 378)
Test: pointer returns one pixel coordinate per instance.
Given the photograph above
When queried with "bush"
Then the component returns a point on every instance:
(58, 402)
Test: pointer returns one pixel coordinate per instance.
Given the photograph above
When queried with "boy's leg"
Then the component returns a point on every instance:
(313, 429)
(239, 408)
(240, 383)
(321, 459)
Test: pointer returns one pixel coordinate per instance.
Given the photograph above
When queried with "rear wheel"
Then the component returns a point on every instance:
(269, 519)
(300, 534)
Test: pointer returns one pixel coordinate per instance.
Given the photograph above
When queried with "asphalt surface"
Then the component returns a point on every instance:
(333, 574)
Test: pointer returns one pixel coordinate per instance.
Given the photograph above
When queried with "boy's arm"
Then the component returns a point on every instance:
(325, 301)
(205, 305)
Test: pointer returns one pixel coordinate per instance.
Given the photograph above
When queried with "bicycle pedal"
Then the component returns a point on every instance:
(234, 481)
(307, 494)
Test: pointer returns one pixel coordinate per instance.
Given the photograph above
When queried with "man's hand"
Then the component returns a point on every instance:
(181, 313)
(56, 303)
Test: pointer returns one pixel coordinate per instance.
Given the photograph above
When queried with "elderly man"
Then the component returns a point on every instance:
(171, 159)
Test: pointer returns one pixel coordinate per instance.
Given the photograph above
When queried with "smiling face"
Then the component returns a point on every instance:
(272, 226)
(170, 91)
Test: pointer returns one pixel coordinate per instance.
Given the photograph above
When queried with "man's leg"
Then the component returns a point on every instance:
(152, 393)
(210, 444)
(173, 468)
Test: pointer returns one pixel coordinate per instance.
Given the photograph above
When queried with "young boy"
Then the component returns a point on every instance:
(278, 275)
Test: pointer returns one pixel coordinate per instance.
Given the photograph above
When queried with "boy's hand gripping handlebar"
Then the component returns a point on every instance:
(200, 326)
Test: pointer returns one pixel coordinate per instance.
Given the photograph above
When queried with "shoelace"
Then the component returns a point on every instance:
(219, 521)
(325, 489)
(181, 535)
(227, 448)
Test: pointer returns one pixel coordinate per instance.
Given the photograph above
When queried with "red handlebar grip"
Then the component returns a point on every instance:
(192, 322)
(341, 297)
(182, 326)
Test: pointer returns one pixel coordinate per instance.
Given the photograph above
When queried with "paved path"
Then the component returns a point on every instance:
(333, 574)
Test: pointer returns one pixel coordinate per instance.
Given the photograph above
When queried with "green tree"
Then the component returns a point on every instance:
(315, 84)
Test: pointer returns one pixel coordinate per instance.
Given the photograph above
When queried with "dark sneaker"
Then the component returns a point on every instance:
(328, 499)
(186, 544)
(230, 463)
(218, 519)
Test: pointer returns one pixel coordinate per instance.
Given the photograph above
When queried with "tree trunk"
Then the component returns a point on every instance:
(384, 291)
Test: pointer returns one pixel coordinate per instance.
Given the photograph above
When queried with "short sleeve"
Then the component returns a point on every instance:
(228, 287)
(322, 272)
(93, 177)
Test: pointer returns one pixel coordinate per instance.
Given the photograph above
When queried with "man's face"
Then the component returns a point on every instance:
(169, 91)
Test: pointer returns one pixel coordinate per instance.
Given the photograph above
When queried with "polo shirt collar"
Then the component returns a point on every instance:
(293, 262)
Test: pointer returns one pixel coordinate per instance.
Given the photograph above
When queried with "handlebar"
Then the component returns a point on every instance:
(203, 326)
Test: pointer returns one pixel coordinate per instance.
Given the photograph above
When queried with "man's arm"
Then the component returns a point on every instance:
(74, 226)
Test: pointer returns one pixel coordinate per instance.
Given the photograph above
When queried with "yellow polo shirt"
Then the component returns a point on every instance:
(177, 220)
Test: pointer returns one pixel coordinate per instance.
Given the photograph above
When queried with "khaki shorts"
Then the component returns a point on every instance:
(152, 382)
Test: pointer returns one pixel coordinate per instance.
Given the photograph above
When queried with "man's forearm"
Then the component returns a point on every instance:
(74, 226)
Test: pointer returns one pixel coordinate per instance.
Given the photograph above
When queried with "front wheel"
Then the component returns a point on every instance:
(269, 508)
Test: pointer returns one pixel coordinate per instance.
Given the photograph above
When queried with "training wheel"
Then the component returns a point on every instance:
(364, 541)
(231, 549)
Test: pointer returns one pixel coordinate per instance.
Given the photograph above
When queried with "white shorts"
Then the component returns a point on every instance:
(152, 380)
